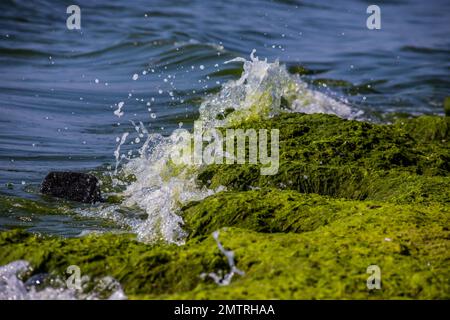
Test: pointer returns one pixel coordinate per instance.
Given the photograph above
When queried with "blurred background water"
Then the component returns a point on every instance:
(59, 88)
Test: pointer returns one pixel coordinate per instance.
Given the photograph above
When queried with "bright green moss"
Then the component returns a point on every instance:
(426, 129)
(271, 210)
(348, 194)
(308, 246)
(9, 204)
(327, 155)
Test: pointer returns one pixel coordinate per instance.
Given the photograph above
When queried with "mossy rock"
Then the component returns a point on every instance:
(348, 194)
(290, 246)
(352, 159)
(274, 211)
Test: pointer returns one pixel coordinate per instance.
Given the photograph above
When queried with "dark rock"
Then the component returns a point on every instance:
(74, 186)
(37, 281)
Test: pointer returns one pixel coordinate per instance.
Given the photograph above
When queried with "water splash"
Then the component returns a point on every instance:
(117, 151)
(13, 288)
(162, 188)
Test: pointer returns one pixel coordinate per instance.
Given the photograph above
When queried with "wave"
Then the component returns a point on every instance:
(161, 188)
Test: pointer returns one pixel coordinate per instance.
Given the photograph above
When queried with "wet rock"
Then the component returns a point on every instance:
(37, 281)
(73, 186)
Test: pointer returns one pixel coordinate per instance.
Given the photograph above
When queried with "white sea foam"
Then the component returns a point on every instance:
(13, 288)
(160, 189)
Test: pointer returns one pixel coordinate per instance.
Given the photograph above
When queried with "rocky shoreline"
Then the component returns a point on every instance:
(348, 194)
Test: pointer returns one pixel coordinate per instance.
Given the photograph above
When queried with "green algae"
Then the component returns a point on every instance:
(348, 194)
(302, 70)
(427, 129)
(357, 160)
(298, 246)
(21, 205)
(272, 211)
(9, 185)
(234, 72)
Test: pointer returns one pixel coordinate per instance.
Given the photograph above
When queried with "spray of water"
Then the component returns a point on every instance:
(13, 288)
(224, 280)
(161, 187)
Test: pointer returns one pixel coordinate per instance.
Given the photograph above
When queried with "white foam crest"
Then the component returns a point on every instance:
(12, 288)
(266, 89)
(160, 189)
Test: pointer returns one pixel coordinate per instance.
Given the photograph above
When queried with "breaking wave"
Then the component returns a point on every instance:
(161, 188)
(13, 288)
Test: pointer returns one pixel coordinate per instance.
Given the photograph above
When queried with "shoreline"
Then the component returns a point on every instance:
(373, 195)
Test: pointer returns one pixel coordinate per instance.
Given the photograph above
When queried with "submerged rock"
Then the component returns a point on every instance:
(73, 186)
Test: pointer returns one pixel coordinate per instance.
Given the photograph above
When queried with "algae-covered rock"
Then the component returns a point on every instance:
(272, 211)
(347, 195)
(352, 159)
(290, 246)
